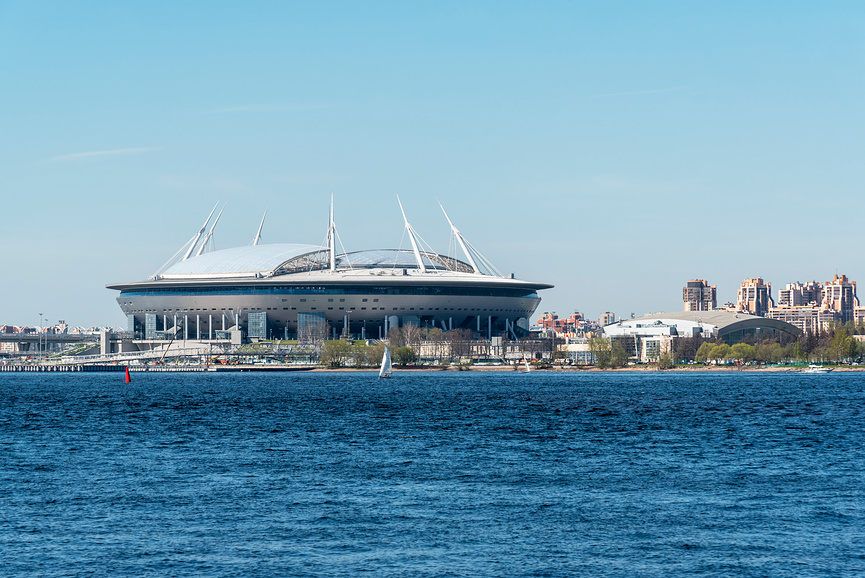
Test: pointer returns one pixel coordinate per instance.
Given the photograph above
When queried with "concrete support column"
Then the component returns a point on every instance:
(198, 327)
(210, 327)
(479, 323)
(450, 323)
(185, 327)
(490, 327)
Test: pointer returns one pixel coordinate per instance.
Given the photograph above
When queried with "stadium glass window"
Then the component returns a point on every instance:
(365, 300)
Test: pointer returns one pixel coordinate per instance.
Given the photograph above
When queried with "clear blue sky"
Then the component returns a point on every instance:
(616, 149)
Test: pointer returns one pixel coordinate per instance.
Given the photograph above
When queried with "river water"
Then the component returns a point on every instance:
(433, 474)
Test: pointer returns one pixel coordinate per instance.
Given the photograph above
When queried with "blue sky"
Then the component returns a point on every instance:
(616, 149)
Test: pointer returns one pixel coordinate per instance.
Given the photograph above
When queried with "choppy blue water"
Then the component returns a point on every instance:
(432, 474)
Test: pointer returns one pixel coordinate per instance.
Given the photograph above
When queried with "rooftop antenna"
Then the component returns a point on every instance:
(460, 240)
(258, 234)
(209, 234)
(411, 236)
(195, 239)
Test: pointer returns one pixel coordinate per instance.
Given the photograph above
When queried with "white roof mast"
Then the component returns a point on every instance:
(331, 238)
(411, 236)
(258, 234)
(209, 234)
(195, 239)
(461, 241)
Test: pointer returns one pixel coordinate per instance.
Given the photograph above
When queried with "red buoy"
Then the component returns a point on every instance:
(128, 380)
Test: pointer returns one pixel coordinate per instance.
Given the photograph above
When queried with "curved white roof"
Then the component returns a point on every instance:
(239, 261)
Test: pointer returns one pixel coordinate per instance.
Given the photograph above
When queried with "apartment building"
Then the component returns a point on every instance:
(754, 297)
(698, 295)
(840, 295)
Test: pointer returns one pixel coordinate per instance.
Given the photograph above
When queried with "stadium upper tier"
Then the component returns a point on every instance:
(287, 290)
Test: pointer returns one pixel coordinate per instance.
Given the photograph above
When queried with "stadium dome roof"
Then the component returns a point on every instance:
(281, 259)
(239, 261)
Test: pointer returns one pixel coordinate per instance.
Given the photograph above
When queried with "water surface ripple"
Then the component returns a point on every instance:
(432, 474)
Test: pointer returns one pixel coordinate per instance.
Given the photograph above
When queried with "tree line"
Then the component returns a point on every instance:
(834, 344)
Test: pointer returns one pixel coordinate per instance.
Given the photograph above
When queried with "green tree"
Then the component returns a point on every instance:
(842, 346)
(336, 352)
(359, 353)
(665, 361)
(719, 352)
(601, 350)
(619, 355)
(373, 354)
(702, 355)
(743, 351)
(404, 355)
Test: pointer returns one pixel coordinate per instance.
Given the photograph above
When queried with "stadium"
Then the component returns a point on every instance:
(311, 292)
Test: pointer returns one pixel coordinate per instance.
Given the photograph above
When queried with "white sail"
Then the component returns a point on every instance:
(527, 365)
(385, 364)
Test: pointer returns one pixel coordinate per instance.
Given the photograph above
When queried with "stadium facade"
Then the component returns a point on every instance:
(314, 292)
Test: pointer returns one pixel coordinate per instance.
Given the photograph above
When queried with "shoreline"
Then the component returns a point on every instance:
(590, 369)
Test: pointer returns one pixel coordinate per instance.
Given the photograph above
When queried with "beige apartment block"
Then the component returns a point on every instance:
(698, 295)
(840, 295)
(754, 297)
(797, 294)
(607, 318)
(811, 318)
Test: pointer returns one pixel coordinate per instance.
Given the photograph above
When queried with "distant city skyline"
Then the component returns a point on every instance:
(615, 150)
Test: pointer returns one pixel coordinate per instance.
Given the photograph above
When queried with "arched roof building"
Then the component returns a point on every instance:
(730, 326)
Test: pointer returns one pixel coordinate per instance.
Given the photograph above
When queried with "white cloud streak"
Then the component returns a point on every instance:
(268, 108)
(78, 156)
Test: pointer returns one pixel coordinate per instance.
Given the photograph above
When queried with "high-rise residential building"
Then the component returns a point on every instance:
(798, 294)
(607, 318)
(754, 297)
(813, 318)
(859, 314)
(698, 295)
(840, 295)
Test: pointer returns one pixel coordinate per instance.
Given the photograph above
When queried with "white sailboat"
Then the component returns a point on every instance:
(527, 368)
(385, 370)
